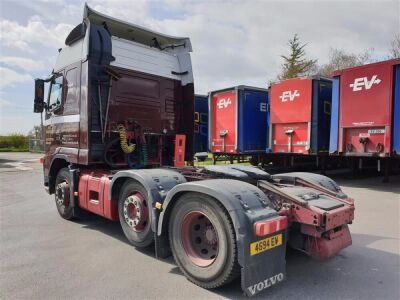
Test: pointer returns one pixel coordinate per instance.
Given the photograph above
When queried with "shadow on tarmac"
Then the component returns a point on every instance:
(358, 264)
(360, 267)
(3, 163)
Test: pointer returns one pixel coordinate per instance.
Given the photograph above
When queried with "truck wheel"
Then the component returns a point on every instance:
(62, 194)
(134, 214)
(203, 241)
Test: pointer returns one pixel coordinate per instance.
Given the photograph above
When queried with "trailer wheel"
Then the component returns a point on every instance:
(203, 241)
(254, 160)
(62, 194)
(134, 214)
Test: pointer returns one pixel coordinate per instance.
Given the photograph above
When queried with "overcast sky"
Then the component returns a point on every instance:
(234, 42)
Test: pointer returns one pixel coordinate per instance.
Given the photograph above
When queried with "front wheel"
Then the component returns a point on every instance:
(202, 241)
(62, 194)
(134, 214)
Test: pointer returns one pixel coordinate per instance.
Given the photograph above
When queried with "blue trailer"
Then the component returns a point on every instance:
(238, 121)
(200, 123)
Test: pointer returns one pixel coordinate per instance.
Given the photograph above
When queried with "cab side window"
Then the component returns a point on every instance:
(56, 92)
(71, 105)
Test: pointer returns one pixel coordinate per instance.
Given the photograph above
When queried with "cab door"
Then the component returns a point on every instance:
(62, 116)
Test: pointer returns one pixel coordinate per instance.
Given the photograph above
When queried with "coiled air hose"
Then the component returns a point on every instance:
(127, 148)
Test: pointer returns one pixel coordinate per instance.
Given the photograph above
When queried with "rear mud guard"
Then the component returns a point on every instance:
(262, 258)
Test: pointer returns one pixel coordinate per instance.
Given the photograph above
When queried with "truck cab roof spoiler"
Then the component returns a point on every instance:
(135, 33)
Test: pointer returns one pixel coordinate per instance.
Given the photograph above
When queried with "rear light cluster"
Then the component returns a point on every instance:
(267, 227)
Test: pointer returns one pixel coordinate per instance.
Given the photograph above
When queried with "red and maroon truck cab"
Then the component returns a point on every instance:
(106, 76)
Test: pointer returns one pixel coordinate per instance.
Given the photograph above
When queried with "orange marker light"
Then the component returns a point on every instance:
(266, 227)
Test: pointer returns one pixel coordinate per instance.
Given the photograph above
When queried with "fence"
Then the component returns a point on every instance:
(36, 145)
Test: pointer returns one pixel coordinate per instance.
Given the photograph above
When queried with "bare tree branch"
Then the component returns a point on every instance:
(340, 59)
(394, 51)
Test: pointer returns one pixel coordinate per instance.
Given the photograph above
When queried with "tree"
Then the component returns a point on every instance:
(394, 51)
(36, 132)
(296, 64)
(340, 59)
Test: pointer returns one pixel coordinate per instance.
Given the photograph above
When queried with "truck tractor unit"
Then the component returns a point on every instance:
(119, 116)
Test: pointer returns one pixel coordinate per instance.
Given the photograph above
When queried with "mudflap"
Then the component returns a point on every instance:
(261, 236)
(73, 189)
(264, 262)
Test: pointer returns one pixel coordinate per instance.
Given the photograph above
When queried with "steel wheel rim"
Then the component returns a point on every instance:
(199, 239)
(62, 195)
(136, 212)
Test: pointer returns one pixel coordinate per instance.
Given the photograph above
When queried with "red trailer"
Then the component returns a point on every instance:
(364, 103)
(300, 115)
(365, 127)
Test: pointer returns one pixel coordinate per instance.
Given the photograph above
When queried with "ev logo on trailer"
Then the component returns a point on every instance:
(263, 107)
(359, 83)
(224, 103)
(289, 95)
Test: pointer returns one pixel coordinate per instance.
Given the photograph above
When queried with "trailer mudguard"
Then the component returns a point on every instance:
(157, 182)
(316, 179)
(245, 204)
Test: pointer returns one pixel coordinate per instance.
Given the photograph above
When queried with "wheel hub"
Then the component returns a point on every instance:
(199, 239)
(62, 194)
(136, 212)
(210, 235)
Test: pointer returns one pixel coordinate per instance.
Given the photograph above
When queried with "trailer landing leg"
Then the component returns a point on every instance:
(386, 171)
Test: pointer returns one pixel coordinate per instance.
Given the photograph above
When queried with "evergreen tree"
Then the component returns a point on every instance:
(296, 64)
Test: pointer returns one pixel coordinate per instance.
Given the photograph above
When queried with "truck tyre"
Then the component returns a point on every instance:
(134, 214)
(203, 241)
(62, 194)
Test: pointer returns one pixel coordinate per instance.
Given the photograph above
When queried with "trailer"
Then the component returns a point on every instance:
(200, 127)
(119, 128)
(366, 114)
(238, 126)
(300, 115)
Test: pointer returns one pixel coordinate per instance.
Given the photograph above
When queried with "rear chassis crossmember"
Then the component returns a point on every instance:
(325, 231)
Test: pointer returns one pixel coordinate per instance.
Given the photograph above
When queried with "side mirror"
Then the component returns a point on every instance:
(38, 104)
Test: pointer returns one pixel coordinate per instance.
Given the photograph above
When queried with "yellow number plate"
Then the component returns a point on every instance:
(265, 244)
